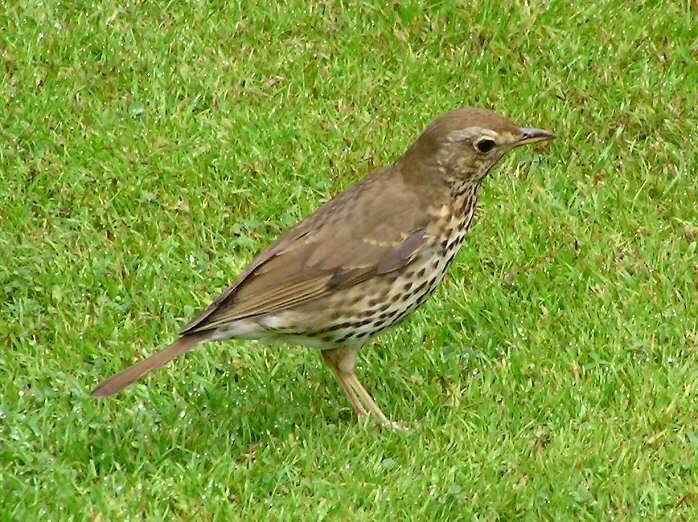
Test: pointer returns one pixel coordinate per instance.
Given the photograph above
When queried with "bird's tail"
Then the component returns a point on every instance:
(121, 380)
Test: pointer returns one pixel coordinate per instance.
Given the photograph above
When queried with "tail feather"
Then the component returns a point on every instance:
(121, 380)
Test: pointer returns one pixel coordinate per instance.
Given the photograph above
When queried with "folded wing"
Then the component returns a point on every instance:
(382, 232)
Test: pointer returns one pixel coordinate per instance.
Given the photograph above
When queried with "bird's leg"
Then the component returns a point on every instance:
(368, 401)
(342, 361)
(356, 404)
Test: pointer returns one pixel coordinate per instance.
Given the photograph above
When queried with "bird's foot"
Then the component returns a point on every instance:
(393, 425)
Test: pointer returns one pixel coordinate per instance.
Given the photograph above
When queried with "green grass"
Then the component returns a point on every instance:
(148, 150)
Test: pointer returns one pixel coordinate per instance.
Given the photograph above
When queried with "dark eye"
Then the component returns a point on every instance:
(484, 145)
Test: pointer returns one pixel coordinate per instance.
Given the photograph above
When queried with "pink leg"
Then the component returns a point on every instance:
(342, 362)
(356, 404)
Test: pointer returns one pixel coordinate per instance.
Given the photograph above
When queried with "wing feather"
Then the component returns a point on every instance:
(358, 235)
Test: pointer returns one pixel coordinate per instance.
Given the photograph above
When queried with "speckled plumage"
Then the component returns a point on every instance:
(354, 314)
(365, 259)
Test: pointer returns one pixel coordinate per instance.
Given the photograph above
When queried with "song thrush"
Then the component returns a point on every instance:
(364, 260)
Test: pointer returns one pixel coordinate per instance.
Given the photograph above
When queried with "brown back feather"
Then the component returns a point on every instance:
(347, 240)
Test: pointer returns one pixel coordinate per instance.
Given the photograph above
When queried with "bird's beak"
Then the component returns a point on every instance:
(530, 135)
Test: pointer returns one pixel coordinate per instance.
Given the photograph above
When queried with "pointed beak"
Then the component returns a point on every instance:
(530, 135)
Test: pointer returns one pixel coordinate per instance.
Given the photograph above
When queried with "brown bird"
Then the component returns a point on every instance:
(364, 260)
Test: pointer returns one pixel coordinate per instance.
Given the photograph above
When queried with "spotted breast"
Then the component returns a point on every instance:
(364, 310)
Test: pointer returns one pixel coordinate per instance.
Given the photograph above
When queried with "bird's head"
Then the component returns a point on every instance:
(464, 144)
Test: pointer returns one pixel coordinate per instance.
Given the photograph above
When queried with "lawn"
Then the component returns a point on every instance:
(148, 150)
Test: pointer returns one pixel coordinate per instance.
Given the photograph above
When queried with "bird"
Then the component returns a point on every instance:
(364, 260)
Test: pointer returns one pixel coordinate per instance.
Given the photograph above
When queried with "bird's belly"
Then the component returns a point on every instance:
(368, 309)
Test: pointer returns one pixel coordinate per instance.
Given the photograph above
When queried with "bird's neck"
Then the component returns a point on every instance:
(463, 199)
(459, 186)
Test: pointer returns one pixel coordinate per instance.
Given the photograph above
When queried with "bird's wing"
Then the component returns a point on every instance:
(373, 228)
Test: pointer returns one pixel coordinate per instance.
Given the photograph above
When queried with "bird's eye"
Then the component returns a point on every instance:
(484, 145)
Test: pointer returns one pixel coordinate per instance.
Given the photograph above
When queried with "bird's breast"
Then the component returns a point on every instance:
(353, 315)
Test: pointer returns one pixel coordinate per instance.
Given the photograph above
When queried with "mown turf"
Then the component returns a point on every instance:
(148, 150)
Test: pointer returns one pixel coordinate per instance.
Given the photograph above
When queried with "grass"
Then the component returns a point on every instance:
(148, 150)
